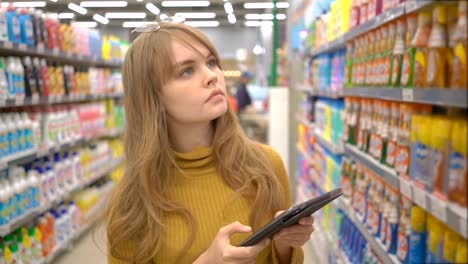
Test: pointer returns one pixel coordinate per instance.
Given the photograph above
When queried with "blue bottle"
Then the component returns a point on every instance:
(13, 25)
(26, 27)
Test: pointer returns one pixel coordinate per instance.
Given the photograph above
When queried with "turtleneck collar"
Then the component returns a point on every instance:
(198, 158)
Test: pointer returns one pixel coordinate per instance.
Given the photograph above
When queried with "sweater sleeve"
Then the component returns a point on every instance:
(280, 171)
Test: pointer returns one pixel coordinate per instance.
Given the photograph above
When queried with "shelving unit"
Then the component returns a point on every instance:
(10, 227)
(319, 93)
(335, 149)
(433, 96)
(43, 101)
(55, 55)
(32, 154)
(305, 122)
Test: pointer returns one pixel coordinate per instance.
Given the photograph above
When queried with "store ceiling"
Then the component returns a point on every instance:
(215, 9)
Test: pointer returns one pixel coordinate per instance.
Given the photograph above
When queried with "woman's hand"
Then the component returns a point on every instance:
(221, 250)
(292, 237)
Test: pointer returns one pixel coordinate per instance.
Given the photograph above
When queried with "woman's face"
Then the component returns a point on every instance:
(197, 91)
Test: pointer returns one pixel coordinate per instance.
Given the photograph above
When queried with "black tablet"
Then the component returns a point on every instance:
(291, 217)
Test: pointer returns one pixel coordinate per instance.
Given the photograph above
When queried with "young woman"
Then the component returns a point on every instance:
(195, 186)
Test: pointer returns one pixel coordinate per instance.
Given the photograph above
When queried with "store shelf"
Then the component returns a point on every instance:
(32, 154)
(328, 94)
(453, 216)
(338, 43)
(433, 96)
(415, 5)
(43, 101)
(335, 149)
(387, 174)
(303, 121)
(33, 214)
(11, 49)
(377, 247)
(305, 155)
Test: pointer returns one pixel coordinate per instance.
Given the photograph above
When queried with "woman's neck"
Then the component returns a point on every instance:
(186, 137)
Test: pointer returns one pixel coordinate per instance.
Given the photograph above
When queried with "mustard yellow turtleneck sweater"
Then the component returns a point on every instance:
(202, 191)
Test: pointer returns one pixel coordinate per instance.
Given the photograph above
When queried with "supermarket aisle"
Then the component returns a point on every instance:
(87, 249)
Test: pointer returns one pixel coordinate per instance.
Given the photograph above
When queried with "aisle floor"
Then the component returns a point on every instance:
(92, 250)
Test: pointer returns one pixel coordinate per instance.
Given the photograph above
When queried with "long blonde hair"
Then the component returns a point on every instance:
(138, 205)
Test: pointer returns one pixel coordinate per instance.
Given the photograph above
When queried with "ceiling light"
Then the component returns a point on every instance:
(135, 24)
(153, 9)
(282, 5)
(125, 15)
(103, 3)
(232, 18)
(281, 16)
(90, 24)
(258, 5)
(66, 15)
(55, 1)
(77, 8)
(163, 16)
(4, 4)
(228, 8)
(101, 19)
(258, 23)
(202, 23)
(139, 0)
(185, 3)
(196, 15)
(29, 4)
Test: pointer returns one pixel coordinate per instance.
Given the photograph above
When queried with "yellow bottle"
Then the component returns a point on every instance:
(441, 131)
(460, 55)
(450, 245)
(437, 57)
(458, 171)
(462, 253)
(420, 43)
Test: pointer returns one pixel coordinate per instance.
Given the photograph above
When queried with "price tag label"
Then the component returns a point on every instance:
(8, 45)
(420, 197)
(439, 208)
(406, 188)
(35, 99)
(79, 56)
(463, 227)
(40, 48)
(22, 47)
(69, 54)
(2, 101)
(56, 51)
(407, 95)
(3, 164)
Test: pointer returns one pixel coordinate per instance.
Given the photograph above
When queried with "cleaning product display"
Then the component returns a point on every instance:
(34, 77)
(35, 28)
(403, 124)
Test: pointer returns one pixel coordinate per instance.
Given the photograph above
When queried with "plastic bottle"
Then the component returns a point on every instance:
(3, 25)
(44, 240)
(398, 51)
(19, 189)
(20, 132)
(36, 66)
(420, 42)
(52, 183)
(46, 82)
(24, 246)
(20, 91)
(459, 66)
(26, 26)
(15, 254)
(437, 67)
(3, 81)
(59, 172)
(4, 216)
(36, 246)
(40, 33)
(26, 190)
(11, 200)
(458, 164)
(12, 135)
(421, 156)
(34, 183)
(462, 251)
(440, 140)
(31, 83)
(3, 138)
(14, 32)
(435, 240)
(28, 130)
(77, 168)
(76, 215)
(11, 77)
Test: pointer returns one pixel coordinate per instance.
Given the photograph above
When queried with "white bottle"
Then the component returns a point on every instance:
(43, 186)
(3, 80)
(12, 135)
(3, 137)
(3, 205)
(51, 183)
(3, 25)
(59, 174)
(17, 190)
(28, 130)
(21, 91)
(10, 71)
(34, 183)
(75, 217)
(77, 168)
(11, 200)
(70, 182)
(20, 131)
(25, 190)
(67, 224)
(36, 130)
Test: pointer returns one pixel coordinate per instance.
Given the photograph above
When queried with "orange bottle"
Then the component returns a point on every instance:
(458, 77)
(420, 42)
(438, 49)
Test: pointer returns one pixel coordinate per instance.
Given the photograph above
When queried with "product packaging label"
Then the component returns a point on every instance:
(403, 247)
(458, 170)
(402, 159)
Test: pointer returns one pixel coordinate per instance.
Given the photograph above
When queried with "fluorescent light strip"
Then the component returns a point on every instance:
(264, 16)
(258, 23)
(228, 8)
(103, 3)
(4, 4)
(101, 19)
(232, 18)
(90, 24)
(153, 9)
(30, 4)
(185, 3)
(77, 8)
(202, 23)
(135, 24)
(66, 15)
(55, 1)
(163, 16)
(265, 5)
(125, 15)
(205, 15)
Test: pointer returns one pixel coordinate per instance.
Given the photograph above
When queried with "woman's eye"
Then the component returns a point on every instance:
(212, 63)
(187, 73)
